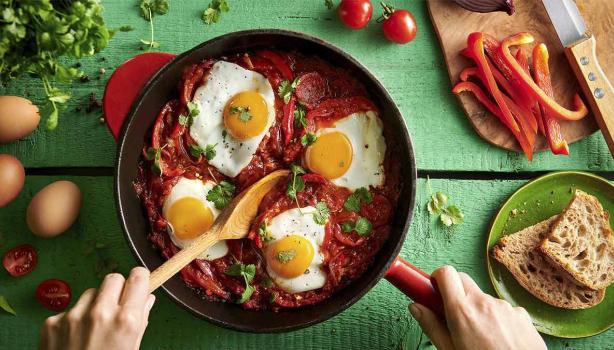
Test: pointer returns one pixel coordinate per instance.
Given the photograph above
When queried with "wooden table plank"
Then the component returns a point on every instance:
(378, 321)
(414, 74)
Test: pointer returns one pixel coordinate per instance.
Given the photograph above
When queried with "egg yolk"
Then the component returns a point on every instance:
(246, 115)
(189, 218)
(290, 256)
(330, 155)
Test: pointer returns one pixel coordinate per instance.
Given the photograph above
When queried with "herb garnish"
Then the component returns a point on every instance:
(221, 194)
(286, 89)
(297, 184)
(263, 232)
(188, 119)
(362, 226)
(247, 272)
(299, 116)
(243, 112)
(285, 256)
(353, 202)
(213, 12)
(4, 305)
(322, 213)
(155, 154)
(148, 9)
(308, 139)
(448, 214)
(196, 151)
(329, 4)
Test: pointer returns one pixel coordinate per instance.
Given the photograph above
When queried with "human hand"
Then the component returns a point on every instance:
(112, 317)
(475, 320)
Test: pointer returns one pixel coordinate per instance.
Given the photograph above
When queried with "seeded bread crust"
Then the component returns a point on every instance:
(581, 242)
(550, 284)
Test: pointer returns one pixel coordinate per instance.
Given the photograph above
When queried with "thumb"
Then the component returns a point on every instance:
(432, 326)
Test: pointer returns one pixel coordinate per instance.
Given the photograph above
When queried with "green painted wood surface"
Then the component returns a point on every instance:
(378, 321)
(414, 74)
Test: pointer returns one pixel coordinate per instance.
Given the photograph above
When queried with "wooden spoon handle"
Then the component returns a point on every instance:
(173, 265)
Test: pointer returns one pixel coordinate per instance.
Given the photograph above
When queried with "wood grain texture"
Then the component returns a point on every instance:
(380, 320)
(414, 74)
(453, 24)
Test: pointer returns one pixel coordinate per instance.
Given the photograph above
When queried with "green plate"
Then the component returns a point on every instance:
(534, 202)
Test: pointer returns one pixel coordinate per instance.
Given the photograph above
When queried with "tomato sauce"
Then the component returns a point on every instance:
(327, 93)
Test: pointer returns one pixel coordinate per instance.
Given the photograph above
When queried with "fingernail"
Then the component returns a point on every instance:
(150, 302)
(415, 311)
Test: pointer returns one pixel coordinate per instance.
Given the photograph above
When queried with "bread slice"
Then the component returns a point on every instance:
(582, 243)
(546, 282)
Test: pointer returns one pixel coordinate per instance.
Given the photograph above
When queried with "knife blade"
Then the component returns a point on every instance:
(567, 21)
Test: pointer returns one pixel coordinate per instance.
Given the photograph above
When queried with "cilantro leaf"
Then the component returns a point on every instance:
(126, 28)
(286, 89)
(192, 113)
(248, 272)
(209, 151)
(263, 232)
(155, 154)
(308, 139)
(300, 119)
(4, 305)
(297, 184)
(213, 12)
(285, 256)
(322, 213)
(362, 226)
(247, 293)
(221, 194)
(355, 200)
(438, 206)
(148, 9)
(234, 270)
(243, 113)
(329, 4)
(452, 215)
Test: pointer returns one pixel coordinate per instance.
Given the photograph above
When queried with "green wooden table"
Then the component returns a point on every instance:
(477, 176)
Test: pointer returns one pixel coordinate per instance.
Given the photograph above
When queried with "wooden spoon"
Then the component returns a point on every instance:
(233, 223)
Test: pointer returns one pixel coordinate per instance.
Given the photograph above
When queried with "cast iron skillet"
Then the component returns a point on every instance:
(163, 86)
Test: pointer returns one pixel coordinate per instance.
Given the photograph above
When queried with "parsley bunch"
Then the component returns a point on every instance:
(34, 34)
(248, 272)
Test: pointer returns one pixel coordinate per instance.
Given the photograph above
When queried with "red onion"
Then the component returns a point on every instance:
(487, 5)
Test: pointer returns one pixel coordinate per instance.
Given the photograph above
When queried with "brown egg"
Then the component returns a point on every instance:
(18, 118)
(12, 176)
(53, 209)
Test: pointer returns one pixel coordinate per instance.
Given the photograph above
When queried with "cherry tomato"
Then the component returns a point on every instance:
(399, 25)
(20, 260)
(355, 14)
(54, 294)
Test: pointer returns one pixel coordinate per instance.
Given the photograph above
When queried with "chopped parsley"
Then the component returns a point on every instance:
(299, 116)
(221, 194)
(209, 152)
(248, 272)
(354, 201)
(243, 113)
(155, 154)
(286, 89)
(263, 232)
(188, 119)
(362, 226)
(308, 139)
(322, 213)
(285, 256)
(213, 12)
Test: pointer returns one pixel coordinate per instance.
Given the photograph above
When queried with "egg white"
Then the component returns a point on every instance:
(199, 190)
(364, 130)
(225, 80)
(293, 222)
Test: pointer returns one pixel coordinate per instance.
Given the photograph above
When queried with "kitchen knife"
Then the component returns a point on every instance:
(580, 49)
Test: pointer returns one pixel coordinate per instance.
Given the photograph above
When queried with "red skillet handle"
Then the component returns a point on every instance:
(416, 284)
(125, 85)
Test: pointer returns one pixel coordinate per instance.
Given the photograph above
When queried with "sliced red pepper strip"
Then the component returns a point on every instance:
(492, 108)
(287, 122)
(525, 99)
(278, 62)
(541, 75)
(554, 109)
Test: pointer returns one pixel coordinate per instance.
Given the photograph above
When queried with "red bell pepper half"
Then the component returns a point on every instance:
(541, 75)
(548, 103)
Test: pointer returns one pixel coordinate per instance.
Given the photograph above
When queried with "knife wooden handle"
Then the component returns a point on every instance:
(596, 86)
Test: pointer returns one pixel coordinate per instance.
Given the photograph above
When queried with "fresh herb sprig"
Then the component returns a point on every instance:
(155, 154)
(263, 232)
(300, 119)
(438, 206)
(213, 12)
(308, 139)
(362, 226)
(188, 119)
(296, 184)
(322, 213)
(209, 151)
(221, 194)
(149, 9)
(355, 200)
(286, 88)
(248, 272)
(243, 112)
(285, 256)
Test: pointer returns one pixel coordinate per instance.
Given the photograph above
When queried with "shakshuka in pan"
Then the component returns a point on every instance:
(235, 119)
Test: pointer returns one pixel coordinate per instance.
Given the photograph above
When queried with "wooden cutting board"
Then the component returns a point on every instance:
(453, 24)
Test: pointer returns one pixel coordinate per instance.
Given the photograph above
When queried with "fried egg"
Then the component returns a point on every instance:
(293, 257)
(236, 109)
(351, 152)
(190, 214)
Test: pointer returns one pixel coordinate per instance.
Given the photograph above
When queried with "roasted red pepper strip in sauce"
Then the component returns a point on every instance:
(548, 103)
(278, 62)
(541, 75)
(287, 122)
